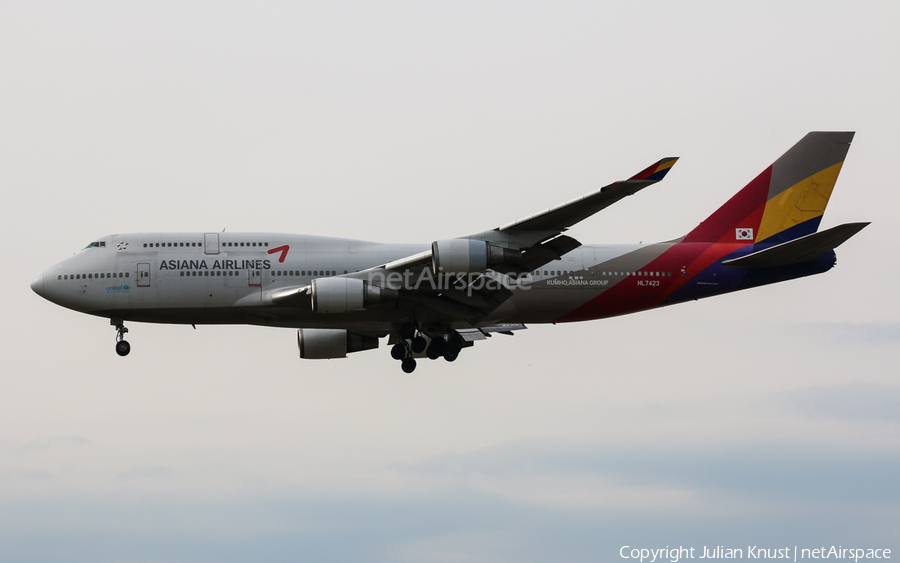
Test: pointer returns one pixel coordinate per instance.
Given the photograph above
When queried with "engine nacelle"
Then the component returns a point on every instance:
(328, 343)
(463, 256)
(341, 295)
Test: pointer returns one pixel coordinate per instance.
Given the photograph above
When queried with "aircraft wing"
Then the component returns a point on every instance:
(522, 246)
(550, 223)
(539, 238)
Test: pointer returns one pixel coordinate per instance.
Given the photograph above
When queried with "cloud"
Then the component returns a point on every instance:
(855, 334)
(679, 473)
(155, 472)
(46, 444)
(861, 401)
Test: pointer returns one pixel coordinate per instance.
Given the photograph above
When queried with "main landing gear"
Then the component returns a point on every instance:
(413, 341)
(122, 345)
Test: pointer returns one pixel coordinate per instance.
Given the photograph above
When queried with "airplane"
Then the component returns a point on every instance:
(433, 300)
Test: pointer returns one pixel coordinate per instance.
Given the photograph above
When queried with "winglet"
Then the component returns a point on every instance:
(657, 171)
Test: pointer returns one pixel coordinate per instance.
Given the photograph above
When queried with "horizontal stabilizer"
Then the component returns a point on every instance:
(805, 249)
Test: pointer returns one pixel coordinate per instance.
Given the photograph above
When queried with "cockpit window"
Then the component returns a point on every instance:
(96, 245)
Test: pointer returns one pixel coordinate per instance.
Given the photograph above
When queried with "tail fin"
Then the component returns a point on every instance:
(787, 200)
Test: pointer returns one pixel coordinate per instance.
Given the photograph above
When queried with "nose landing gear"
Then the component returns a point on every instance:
(122, 345)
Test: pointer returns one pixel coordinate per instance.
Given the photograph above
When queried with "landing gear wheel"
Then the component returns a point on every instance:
(452, 350)
(454, 346)
(407, 331)
(436, 348)
(408, 365)
(123, 347)
(398, 351)
(418, 344)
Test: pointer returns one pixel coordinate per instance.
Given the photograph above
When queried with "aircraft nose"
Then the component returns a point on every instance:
(37, 285)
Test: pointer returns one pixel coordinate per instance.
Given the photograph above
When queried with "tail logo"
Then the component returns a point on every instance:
(743, 234)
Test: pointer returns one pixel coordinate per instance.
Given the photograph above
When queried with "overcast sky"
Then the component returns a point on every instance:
(768, 417)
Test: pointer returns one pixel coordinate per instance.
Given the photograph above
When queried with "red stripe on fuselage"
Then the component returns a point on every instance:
(638, 293)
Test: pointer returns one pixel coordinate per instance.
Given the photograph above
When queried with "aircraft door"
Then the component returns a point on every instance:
(255, 277)
(143, 274)
(211, 243)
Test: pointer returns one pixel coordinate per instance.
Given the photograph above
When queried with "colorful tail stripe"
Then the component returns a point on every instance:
(786, 200)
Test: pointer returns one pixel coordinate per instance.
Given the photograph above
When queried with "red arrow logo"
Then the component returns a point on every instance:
(283, 250)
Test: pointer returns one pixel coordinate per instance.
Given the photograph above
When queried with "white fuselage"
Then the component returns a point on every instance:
(228, 278)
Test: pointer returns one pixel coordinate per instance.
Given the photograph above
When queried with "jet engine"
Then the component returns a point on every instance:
(327, 343)
(463, 256)
(341, 295)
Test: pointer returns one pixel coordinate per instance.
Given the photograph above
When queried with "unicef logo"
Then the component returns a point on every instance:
(117, 288)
